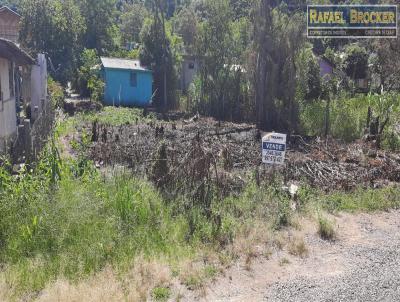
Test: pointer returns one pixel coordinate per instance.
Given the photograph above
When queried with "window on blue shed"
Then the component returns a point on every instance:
(133, 79)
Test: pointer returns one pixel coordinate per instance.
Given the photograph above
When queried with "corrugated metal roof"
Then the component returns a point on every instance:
(122, 64)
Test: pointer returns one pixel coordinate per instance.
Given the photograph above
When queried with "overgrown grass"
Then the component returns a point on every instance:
(362, 200)
(348, 117)
(81, 225)
(114, 116)
(67, 219)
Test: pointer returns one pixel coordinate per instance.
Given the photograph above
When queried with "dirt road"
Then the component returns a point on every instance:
(362, 265)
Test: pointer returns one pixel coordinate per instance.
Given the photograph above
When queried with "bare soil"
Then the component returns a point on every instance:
(354, 267)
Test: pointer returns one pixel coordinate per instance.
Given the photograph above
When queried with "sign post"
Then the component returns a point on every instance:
(274, 148)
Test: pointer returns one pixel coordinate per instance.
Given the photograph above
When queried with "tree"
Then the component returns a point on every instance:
(101, 32)
(13, 4)
(53, 27)
(88, 82)
(132, 20)
(215, 45)
(277, 39)
(309, 85)
(186, 26)
(159, 51)
(356, 62)
(386, 63)
(241, 8)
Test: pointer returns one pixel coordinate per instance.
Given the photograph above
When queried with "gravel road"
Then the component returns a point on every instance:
(372, 275)
(362, 265)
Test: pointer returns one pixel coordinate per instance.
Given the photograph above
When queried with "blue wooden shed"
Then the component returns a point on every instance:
(127, 83)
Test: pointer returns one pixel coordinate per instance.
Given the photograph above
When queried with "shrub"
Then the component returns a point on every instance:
(88, 81)
(56, 93)
(391, 141)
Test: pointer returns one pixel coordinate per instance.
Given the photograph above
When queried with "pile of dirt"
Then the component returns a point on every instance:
(228, 152)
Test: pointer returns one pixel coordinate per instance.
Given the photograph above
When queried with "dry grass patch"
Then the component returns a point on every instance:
(192, 276)
(104, 287)
(4, 288)
(298, 247)
(139, 284)
(250, 254)
(279, 241)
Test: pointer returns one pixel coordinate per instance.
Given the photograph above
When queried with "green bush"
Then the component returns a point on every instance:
(348, 117)
(312, 117)
(88, 82)
(56, 92)
(391, 141)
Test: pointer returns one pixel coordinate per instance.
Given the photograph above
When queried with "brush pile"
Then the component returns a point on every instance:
(201, 150)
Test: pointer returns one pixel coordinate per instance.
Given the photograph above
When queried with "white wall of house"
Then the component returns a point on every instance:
(8, 116)
(38, 85)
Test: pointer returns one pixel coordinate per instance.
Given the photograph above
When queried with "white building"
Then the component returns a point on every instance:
(12, 61)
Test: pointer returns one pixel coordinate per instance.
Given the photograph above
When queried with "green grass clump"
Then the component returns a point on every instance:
(326, 229)
(161, 293)
(347, 116)
(210, 272)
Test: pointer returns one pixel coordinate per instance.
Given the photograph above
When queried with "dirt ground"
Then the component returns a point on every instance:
(342, 270)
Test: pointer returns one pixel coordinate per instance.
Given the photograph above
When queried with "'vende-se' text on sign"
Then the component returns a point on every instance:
(274, 148)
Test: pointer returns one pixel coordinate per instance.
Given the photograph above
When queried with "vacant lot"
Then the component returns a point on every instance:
(134, 206)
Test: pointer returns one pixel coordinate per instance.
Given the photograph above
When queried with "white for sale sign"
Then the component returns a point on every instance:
(274, 148)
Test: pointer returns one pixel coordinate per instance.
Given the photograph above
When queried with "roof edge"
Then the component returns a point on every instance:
(5, 7)
(17, 53)
(123, 67)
